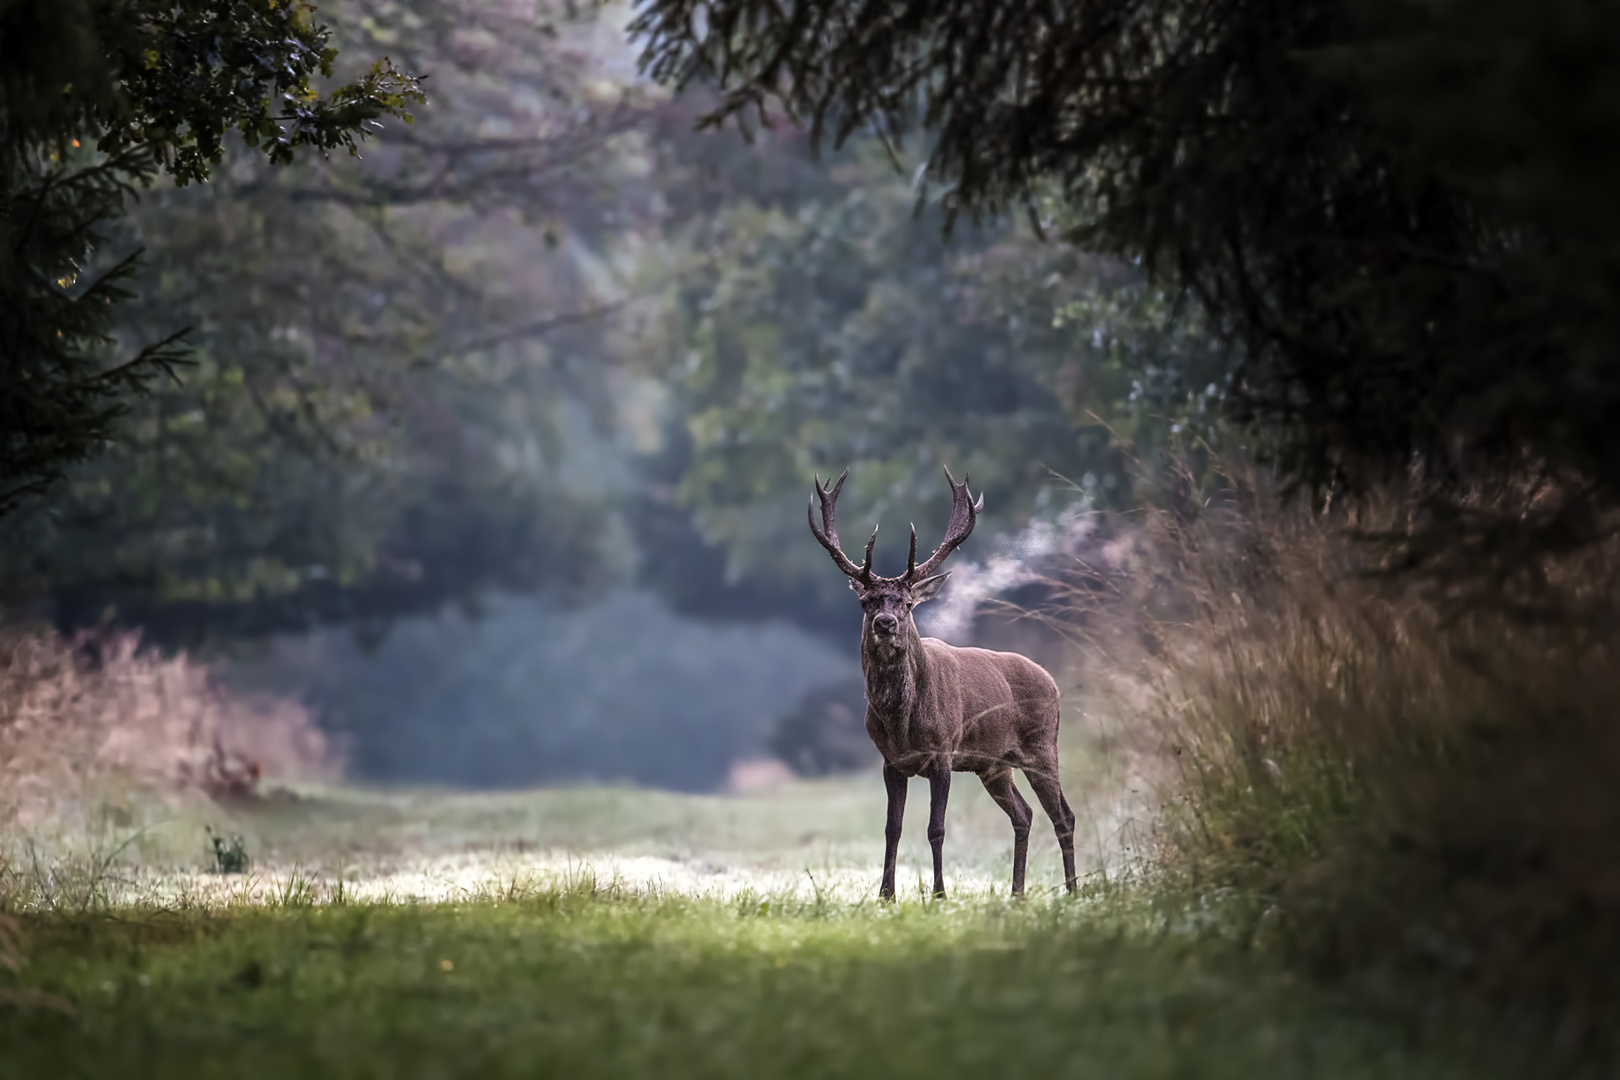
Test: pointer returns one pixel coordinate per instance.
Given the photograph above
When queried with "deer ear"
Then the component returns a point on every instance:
(855, 587)
(928, 588)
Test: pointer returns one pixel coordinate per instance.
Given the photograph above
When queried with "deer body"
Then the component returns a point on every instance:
(968, 709)
(934, 709)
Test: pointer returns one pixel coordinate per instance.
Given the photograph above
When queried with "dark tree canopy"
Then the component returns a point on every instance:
(98, 98)
(1399, 216)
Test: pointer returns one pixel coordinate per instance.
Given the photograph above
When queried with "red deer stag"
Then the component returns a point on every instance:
(933, 709)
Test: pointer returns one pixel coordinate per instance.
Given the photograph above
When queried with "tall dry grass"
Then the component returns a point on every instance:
(1368, 778)
(78, 719)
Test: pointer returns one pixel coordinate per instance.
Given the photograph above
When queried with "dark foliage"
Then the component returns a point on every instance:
(388, 362)
(1397, 215)
(440, 546)
(819, 321)
(98, 98)
(826, 733)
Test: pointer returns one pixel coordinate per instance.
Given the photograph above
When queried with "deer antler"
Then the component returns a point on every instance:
(827, 535)
(964, 512)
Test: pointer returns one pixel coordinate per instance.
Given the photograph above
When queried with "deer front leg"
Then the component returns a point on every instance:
(939, 793)
(895, 783)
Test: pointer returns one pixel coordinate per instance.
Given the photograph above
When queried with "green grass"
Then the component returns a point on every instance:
(427, 845)
(768, 957)
(578, 980)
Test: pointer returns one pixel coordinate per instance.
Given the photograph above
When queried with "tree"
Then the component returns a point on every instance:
(822, 323)
(393, 391)
(98, 97)
(1396, 215)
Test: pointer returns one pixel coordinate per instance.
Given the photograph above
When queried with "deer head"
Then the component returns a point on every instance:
(887, 602)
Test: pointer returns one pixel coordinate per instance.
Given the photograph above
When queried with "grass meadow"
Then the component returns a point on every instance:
(614, 932)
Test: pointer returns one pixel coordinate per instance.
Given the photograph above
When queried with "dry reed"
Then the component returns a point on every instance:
(102, 712)
(1369, 778)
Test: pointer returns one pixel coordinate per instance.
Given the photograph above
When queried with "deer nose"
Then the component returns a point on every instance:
(885, 623)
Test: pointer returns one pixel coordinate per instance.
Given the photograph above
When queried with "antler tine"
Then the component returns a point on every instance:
(964, 514)
(911, 558)
(866, 570)
(827, 535)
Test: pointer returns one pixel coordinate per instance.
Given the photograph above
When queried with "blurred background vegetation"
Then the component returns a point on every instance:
(527, 378)
(527, 393)
(531, 342)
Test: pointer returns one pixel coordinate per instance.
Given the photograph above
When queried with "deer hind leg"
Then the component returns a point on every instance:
(1002, 789)
(895, 783)
(1047, 789)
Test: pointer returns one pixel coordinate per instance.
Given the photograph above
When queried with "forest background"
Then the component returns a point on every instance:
(490, 443)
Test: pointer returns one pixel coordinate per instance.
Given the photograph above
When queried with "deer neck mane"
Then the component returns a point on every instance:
(892, 675)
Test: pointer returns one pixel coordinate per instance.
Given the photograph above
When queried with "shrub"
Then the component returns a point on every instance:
(101, 710)
(1372, 778)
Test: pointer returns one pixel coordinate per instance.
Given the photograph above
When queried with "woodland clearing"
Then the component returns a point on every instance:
(612, 931)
